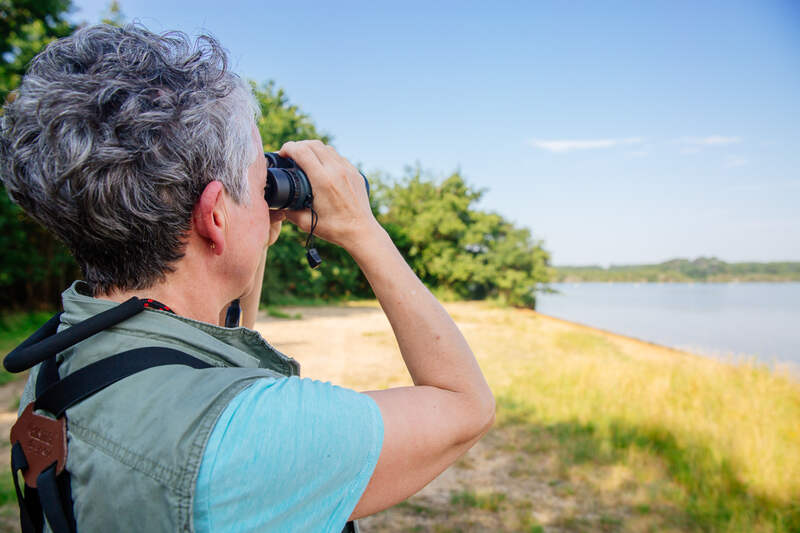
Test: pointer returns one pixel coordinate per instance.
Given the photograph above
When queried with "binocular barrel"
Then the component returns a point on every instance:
(287, 185)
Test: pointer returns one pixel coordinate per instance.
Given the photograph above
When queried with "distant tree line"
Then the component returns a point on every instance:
(705, 269)
(459, 251)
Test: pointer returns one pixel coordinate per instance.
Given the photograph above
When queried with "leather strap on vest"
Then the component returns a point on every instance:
(51, 495)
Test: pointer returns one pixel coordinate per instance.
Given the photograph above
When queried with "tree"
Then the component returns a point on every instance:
(288, 276)
(458, 250)
(35, 266)
(113, 15)
(26, 27)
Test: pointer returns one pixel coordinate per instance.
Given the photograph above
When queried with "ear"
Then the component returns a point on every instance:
(209, 216)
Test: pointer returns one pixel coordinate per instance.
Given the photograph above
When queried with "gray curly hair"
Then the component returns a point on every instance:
(112, 137)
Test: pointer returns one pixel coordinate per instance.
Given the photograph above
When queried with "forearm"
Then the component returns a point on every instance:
(431, 344)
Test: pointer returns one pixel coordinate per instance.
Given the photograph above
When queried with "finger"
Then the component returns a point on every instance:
(275, 231)
(301, 219)
(338, 157)
(302, 155)
(277, 216)
(323, 152)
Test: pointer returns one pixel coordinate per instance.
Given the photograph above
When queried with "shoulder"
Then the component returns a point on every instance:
(306, 448)
(297, 402)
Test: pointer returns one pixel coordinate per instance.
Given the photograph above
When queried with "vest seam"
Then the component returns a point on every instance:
(197, 451)
(129, 458)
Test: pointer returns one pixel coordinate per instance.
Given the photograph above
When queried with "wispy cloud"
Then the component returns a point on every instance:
(713, 140)
(735, 161)
(563, 146)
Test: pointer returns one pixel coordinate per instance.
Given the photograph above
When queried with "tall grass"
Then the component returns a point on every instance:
(723, 440)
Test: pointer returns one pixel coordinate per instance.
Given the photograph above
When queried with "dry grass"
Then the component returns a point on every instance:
(595, 432)
(719, 442)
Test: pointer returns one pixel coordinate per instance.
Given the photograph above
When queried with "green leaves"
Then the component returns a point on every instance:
(26, 27)
(457, 248)
(281, 121)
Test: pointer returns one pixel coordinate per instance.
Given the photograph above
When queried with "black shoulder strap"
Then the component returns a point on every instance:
(57, 395)
(53, 498)
(93, 378)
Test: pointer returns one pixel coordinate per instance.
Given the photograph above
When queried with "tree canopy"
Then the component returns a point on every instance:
(458, 250)
(25, 28)
(701, 269)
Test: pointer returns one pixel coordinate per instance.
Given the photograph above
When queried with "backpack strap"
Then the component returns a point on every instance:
(81, 384)
(49, 494)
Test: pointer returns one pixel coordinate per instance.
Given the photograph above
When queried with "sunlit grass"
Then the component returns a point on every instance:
(635, 436)
(726, 438)
(488, 501)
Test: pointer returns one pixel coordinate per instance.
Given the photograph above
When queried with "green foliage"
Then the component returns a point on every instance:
(14, 328)
(288, 276)
(113, 15)
(8, 494)
(490, 501)
(281, 121)
(25, 28)
(701, 269)
(457, 248)
(35, 265)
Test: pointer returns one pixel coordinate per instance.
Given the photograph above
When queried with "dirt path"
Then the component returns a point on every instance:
(502, 484)
(354, 347)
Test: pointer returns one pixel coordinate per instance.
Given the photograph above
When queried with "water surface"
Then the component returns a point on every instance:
(720, 319)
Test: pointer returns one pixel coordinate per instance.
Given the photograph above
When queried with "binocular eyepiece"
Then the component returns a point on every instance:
(287, 185)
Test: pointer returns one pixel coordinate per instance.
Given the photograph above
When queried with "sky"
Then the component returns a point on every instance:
(617, 132)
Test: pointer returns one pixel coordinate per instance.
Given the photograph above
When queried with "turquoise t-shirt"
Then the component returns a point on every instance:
(288, 454)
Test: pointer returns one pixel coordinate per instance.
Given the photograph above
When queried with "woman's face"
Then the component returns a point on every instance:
(249, 227)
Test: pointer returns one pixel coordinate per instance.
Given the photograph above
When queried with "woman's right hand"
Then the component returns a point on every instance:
(340, 197)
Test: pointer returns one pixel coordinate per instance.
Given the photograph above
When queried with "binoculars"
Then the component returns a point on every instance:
(287, 185)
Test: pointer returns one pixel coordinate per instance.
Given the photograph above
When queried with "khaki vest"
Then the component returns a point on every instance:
(135, 448)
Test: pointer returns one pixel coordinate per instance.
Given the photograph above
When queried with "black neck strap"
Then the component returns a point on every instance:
(46, 343)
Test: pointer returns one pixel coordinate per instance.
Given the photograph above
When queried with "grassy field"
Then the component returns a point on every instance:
(595, 432)
(625, 435)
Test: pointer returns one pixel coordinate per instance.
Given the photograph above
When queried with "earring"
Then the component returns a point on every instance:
(213, 246)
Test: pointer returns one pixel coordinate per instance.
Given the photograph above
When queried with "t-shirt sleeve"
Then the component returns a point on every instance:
(288, 454)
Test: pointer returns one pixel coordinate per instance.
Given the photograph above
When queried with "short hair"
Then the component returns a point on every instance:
(112, 136)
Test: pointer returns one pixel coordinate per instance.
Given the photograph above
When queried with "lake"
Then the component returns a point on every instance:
(718, 319)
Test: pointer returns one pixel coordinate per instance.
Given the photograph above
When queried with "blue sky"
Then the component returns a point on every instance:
(618, 132)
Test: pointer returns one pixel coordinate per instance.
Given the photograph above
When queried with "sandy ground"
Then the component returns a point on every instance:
(353, 346)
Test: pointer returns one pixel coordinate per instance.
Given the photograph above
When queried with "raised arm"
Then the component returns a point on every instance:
(427, 426)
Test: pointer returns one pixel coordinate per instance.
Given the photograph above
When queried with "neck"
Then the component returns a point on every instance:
(195, 303)
(191, 290)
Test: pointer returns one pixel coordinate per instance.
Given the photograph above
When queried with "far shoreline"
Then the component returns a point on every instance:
(684, 281)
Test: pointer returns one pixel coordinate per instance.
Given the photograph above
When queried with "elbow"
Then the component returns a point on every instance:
(484, 414)
(489, 416)
(477, 418)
